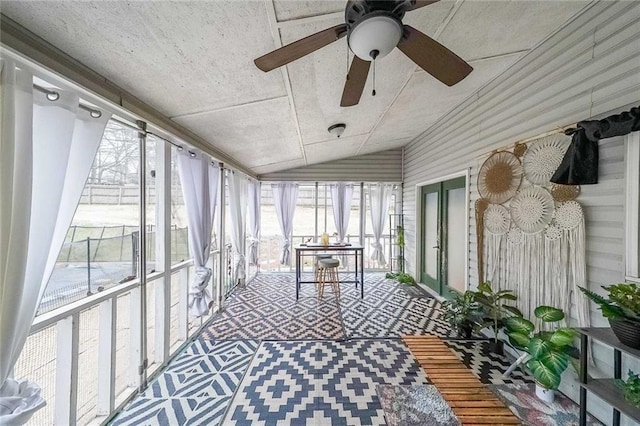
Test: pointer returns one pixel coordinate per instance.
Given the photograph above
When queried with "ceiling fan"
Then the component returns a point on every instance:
(373, 28)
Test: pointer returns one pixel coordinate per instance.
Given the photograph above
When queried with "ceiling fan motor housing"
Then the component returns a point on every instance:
(375, 27)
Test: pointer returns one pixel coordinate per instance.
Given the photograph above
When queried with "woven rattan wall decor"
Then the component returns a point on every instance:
(530, 233)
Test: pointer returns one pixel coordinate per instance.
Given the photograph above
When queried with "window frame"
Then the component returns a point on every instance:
(632, 207)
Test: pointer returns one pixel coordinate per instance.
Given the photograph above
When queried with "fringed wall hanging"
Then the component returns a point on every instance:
(533, 240)
(481, 206)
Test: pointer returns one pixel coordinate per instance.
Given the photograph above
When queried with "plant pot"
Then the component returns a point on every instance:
(546, 395)
(496, 346)
(627, 331)
(465, 329)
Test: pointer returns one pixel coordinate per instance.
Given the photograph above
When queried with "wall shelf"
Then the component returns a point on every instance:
(605, 389)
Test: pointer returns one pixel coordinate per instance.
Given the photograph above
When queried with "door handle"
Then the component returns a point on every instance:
(436, 247)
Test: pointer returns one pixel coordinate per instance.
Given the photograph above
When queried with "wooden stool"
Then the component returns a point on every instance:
(329, 274)
(318, 267)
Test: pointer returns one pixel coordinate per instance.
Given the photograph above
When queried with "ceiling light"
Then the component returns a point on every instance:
(337, 129)
(375, 36)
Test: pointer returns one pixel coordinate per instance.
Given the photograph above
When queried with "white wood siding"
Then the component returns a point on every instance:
(385, 166)
(588, 69)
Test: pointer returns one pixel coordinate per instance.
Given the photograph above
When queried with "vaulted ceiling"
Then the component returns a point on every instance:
(193, 61)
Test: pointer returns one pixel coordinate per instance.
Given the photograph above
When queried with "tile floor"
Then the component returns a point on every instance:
(269, 359)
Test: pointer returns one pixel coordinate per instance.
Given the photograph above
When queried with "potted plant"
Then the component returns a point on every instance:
(622, 309)
(549, 351)
(401, 277)
(462, 312)
(495, 310)
(630, 388)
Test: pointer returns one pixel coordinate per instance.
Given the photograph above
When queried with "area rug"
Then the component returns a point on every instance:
(521, 399)
(415, 405)
(321, 383)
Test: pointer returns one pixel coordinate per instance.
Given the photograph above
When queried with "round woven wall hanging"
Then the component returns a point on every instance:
(532, 209)
(562, 193)
(519, 149)
(569, 215)
(514, 236)
(552, 233)
(542, 158)
(496, 219)
(499, 177)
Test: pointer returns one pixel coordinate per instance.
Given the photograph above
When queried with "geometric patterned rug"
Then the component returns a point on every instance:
(391, 309)
(267, 310)
(484, 364)
(196, 387)
(269, 359)
(321, 382)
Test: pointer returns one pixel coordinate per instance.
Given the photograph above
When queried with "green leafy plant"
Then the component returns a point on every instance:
(630, 388)
(401, 277)
(549, 351)
(494, 307)
(400, 236)
(623, 301)
(463, 312)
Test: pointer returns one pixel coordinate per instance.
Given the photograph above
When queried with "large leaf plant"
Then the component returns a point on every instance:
(495, 308)
(549, 351)
(623, 301)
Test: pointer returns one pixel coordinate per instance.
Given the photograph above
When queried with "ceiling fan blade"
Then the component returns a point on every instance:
(356, 79)
(417, 4)
(433, 57)
(300, 48)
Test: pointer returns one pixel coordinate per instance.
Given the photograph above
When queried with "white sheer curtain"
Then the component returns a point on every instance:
(199, 180)
(285, 197)
(46, 151)
(254, 221)
(379, 198)
(341, 198)
(238, 187)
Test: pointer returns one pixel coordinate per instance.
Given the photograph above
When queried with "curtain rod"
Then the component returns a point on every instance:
(54, 95)
(559, 129)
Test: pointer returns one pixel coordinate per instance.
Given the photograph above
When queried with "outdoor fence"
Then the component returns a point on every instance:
(67, 344)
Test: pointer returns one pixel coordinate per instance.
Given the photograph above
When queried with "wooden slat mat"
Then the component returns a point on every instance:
(471, 401)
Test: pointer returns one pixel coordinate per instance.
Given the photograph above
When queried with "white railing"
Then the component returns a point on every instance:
(86, 355)
(270, 252)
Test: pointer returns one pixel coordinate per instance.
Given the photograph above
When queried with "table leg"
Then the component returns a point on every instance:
(356, 271)
(297, 274)
(584, 347)
(362, 274)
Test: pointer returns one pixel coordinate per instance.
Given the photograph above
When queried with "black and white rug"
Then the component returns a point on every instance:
(269, 359)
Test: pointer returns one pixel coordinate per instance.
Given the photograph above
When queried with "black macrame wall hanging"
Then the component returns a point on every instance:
(580, 163)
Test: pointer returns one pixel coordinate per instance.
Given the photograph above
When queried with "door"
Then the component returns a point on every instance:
(443, 243)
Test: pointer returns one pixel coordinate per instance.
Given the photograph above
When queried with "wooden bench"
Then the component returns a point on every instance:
(471, 401)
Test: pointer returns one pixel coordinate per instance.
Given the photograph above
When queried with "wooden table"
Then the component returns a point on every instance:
(355, 250)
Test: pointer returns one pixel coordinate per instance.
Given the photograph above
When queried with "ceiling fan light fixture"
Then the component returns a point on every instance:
(379, 33)
(337, 129)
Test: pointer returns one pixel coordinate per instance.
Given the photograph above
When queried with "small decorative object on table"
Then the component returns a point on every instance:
(622, 309)
(549, 352)
(324, 239)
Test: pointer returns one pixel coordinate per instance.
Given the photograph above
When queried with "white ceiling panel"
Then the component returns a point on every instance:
(285, 165)
(180, 57)
(193, 61)
(333, 149)
(424, 100)
(317, 80)
(480, 29)
(254, 134)
(287, 10)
